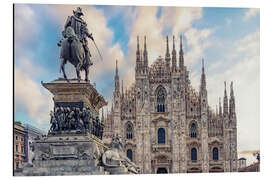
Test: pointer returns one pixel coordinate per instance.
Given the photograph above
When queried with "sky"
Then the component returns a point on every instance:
(227, 38)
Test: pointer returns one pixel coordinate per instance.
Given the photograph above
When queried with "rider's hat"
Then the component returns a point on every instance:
(78, 11)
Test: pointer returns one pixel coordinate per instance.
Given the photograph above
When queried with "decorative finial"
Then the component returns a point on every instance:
(232, 94)
(116, 68)
(145, 43)
(138, 43)
(202, 63)
(173, 43)
(181, 42)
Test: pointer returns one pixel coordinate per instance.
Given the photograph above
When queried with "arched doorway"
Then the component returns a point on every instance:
(162, 171)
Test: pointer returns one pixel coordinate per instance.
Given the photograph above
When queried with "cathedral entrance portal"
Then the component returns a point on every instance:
(162, 171)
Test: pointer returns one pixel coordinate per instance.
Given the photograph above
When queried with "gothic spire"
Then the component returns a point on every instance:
(138, 45)
(181, 55)
(116, 78)
(145, 54)
(220, 108)
(173, 56)
(138, 53)
(167, 55)
(232, 93)
(203, 81)
(232, 101)
(116, 69)
(225, 101)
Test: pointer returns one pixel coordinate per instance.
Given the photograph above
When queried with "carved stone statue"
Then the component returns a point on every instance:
(85, 119)
(74, 45)
(74, 120)
(53, 122)
(114, 157)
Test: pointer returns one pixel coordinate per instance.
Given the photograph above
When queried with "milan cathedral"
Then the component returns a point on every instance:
(167, 125)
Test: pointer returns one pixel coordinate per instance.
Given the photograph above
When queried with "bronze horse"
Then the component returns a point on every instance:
(72, 51)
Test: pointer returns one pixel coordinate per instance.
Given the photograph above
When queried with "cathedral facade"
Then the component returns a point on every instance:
(168, 126)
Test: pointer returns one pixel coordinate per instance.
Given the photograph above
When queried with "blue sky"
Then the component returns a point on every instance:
(227, 38)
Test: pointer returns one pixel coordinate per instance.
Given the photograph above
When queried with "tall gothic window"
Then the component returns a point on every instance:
(129, 154)
(215, 153)
(161, 136)
(161, 100)
(193, 130)
(129, 131)
(193, 154)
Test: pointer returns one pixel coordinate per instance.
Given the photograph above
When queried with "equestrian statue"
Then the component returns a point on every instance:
(74, 45)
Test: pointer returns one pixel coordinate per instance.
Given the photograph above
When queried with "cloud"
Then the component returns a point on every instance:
(197, 42)
(25, 28)
(31, 98)
(176, 20)
(241, 66)
(179, 19)
(26, 65)
(24, 23)
(251, 13)
(103, 35)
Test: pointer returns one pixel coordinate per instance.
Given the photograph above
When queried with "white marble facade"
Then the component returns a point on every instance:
(168, 126)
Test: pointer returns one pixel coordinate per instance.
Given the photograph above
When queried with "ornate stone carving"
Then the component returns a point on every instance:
(114, 158)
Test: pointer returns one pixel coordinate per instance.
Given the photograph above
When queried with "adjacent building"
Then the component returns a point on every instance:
(31, 133)
(168, 126)
(255, 167)
(19, 149)
(242, 163)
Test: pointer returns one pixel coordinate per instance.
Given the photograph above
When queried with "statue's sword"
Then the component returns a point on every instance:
(98, 51)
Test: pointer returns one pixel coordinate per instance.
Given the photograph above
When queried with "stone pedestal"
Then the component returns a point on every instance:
(66, 155)
(75, 94)
(118, 170)
(72, 148)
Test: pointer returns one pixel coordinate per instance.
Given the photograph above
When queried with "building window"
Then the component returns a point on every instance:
(16, 137)
(17, 165)
(161, 136)
(129, 131)
(22, 151)
(16, 147)
(22, 139)
(193, 130)
(215, 153)
(161, 100)
(193, 154)
(129, 154)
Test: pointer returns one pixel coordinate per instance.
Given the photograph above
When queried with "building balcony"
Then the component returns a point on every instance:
(161, 148)
(216, 162)
(194, 163)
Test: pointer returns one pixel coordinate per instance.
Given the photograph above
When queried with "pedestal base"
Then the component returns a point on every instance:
(66, 155)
